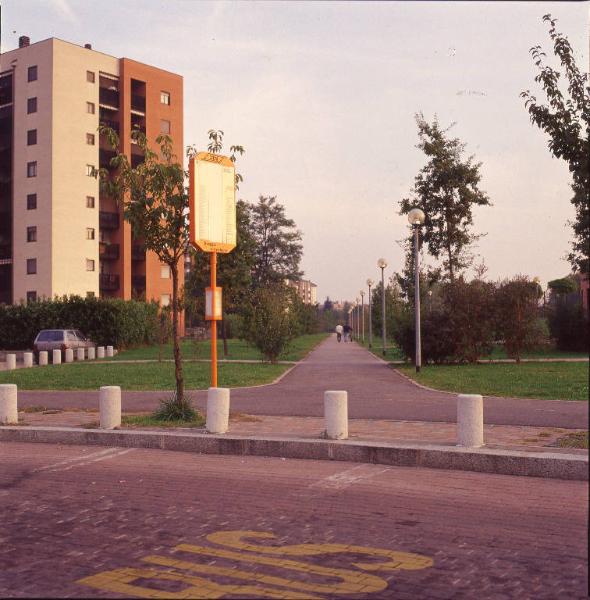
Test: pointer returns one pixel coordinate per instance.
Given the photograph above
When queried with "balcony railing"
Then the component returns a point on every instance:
(114, 125)
(108, 97)
(137, 103)
(108, 220)
(138, 281)
(108, 281)
(137, 252)
(108, 251)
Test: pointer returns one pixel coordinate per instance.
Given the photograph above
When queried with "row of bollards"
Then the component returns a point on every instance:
(68, 355)
(469, 412)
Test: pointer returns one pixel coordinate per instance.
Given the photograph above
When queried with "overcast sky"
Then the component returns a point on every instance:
(323, 97)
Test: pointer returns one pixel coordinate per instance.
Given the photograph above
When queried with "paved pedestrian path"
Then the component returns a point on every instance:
(375, 391)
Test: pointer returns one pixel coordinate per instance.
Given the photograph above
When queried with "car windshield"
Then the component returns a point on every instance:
(51, 335)
(80, 335)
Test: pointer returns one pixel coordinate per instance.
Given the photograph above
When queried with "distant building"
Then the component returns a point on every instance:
(306, 290)
(59, 232)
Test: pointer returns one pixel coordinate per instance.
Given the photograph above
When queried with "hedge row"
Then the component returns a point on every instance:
(122, 323)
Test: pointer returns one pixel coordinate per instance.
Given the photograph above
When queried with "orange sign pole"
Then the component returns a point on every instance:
(214, 321)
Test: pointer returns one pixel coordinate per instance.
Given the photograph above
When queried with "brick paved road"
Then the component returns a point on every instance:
(375, 392)
(72, 513)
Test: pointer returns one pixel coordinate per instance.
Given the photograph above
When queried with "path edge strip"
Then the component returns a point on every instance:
(482, 460)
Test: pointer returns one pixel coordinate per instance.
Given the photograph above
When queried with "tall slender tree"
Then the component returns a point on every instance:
(446, 189)
(278, 248)
(565, 118)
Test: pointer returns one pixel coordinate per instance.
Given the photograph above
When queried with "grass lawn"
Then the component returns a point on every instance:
(138, 376)
(498, 352)
(549, 381)
(574, 440)
(238, 350)
(392, 352)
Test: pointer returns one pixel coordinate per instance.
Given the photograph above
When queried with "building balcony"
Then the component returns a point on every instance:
(114, 125)
(108, 282)
(108, 220)
(5, 252)
(138, 103)
(108, 97)
(138, 281)
(108, 251)
(105, 157)
(137, 252)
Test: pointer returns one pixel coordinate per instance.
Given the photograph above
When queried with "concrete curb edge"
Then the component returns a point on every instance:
(482, 460)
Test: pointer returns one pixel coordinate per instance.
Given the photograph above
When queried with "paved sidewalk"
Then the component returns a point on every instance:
(375, 391)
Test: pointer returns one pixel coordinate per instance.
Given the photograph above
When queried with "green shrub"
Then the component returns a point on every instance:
(121, 323)
(569, 327)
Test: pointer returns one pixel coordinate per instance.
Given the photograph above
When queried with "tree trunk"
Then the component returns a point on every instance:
(175, 337)
(224, 336)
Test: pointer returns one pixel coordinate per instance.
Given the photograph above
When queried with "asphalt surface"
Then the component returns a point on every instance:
(375, 391)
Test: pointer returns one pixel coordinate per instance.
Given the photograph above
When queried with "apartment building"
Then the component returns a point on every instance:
(59, 233)
(305, 289)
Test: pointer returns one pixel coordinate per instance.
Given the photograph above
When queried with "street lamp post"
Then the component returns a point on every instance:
(362, 293)
(416, 218)
(382, 263)
(370, 283)
(358, 321)
(351, 322)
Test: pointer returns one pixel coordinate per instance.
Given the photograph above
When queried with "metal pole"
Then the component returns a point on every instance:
(363, 315)
(383, 307)
(213, 322)
(417, 299)
(370, 321)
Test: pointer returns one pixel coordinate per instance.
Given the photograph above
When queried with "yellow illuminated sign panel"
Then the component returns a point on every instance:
(212, 202)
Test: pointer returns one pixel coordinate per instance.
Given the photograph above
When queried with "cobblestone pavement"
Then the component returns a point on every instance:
(375, 391)
(114, 523)
(496, 436)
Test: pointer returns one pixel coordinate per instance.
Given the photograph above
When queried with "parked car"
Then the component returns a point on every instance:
(60, 339)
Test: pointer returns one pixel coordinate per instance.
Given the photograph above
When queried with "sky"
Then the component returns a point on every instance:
(323, 98)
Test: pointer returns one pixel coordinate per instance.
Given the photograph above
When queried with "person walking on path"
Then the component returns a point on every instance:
(339, 330)
(347, 333)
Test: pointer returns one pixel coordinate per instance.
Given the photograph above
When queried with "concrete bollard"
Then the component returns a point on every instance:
(100, 352)
(91, 353)
(10, 362)
(8, 407)
(69, 355)
(217, 410)
(470, 420)
(56, 357)
(80, 354)
(336, 414)
(27, 359)
(43, 358)
(110, 406)
(110, 351)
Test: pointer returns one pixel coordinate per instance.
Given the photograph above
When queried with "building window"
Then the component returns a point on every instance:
(165, 272)
(90, 108)
(89, 201)
(31, 234)
(90, 139)
(31, 137)
(32, 73)
(31, 266)
(164, 126)
(31, 105)
(165, 98)
(89, 264)
(90, 77)
(32, 169)
(31, 201)
(165, 299)
(32, 296)
(90, 234)
(90, 170)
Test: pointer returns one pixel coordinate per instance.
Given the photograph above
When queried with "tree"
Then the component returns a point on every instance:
(270, 322)
(518, 322)
(446, 189)
(566, 119)
(155, 204)
(278, 248)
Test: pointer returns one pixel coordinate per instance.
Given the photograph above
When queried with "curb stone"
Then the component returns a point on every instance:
(432, 456)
